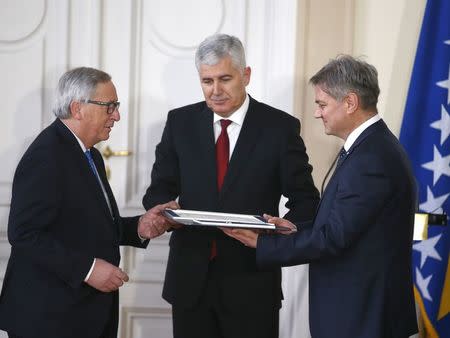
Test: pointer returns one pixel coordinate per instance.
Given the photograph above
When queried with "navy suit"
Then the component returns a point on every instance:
(359, 244)
(59, 221)
(269, 160)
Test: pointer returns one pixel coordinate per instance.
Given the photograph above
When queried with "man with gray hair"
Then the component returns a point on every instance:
(64, 227)
(359, 244)
(229, 153)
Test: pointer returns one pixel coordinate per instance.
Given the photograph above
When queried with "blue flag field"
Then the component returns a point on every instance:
(425, 134)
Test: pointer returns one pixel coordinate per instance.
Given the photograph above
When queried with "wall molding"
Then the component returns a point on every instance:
(36, 34)
(132, 318)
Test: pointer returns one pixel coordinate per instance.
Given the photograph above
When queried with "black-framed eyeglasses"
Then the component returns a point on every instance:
(112, 105)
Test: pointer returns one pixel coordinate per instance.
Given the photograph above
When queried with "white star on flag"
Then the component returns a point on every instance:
(423, 285)
(443, 124)
(433, 204)
(446, 84)
(440, 165)
(447, 42)
(427, 249)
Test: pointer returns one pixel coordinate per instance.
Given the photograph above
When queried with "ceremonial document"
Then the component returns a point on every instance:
(220, 219)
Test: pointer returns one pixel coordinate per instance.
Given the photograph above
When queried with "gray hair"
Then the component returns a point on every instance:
(77, 84)
(346, 74)
(218, 46)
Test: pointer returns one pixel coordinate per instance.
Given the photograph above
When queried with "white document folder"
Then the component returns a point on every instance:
(220, 219)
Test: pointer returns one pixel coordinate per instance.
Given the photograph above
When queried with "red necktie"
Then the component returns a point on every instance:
(222, 158)
(222, 153)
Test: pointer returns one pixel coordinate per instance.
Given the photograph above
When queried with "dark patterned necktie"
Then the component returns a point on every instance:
(342, 155)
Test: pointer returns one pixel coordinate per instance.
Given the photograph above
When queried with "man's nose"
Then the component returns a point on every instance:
(217, 89)
(116, 115)
(317, 113)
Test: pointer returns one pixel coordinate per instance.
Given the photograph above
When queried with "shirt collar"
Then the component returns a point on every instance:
(358, 131)
(78, 139)
(239, 115)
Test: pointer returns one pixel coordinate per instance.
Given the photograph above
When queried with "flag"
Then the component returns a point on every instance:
(431, 274)
(425, 135)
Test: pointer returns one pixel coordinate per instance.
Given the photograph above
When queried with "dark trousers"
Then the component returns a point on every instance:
(213, 317)
(110, 330)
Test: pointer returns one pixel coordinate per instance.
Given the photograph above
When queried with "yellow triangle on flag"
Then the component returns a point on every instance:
(444, 308)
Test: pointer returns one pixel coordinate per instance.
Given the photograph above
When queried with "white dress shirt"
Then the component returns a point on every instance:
(233, 130)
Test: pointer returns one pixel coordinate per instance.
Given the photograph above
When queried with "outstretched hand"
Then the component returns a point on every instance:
(250, 237)
(153, 224)
(287, 227)
(247, 237)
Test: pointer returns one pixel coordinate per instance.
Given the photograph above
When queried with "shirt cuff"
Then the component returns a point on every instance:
(141, 238)
(90, 271)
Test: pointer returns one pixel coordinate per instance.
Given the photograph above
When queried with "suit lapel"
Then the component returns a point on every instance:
(100, 165)
(203, 132)
(115, 216)
(245, 143)
(81, 163)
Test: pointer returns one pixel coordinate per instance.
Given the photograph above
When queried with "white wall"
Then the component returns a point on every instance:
(387, 33)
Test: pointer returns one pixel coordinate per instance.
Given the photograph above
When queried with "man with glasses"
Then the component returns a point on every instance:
(65, 229)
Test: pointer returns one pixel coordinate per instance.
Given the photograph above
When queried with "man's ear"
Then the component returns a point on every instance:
(246, 75)
(352, 101)
(75, 110)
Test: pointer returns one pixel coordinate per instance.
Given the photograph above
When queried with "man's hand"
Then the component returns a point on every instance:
(247, 237)
(290, 227)
(172, 205)
(250, 237)
(106, 277)
(153, 224)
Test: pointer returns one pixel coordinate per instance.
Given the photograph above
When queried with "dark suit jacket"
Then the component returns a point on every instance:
(269, 160)
(59, 221)
(359, 244)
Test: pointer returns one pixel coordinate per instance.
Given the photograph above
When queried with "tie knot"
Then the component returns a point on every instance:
(225, 123)
(342, 155)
